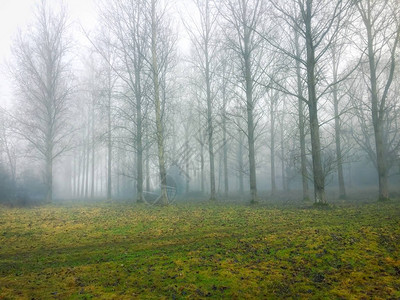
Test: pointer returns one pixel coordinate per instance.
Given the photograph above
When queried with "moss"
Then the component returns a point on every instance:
(125, 251)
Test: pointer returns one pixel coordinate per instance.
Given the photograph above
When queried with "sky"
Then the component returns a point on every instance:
(15, 14)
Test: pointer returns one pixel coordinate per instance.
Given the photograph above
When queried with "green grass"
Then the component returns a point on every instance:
(124, 251)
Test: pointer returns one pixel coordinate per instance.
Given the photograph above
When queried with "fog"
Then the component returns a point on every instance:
(174, 101)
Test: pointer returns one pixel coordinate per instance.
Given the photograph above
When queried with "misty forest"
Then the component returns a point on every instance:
(174, 149)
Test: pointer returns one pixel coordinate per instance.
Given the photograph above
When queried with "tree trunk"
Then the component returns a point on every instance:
(87, 167)
(156, 83)
(93, 158)
(272, 148)
(74, 176)
(318, 174)
(339, 159)
(109, 149)
(240, 164)
(210, 143)
(147, 169)
(225, 143)
(210, 127)
(139, 140)
(250, 120)
(187, 163)
(82, 192)
(49, 178)
(377, 120)
(202, 167)
(304, 175)
(285, 185)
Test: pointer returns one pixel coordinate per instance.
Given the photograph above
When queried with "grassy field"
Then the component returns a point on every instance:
(126, 251)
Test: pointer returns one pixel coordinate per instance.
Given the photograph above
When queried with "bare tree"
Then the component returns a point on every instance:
(381, 34)
(244, 18)
(129, 38)
(155, 22)
(337, 52)
(107, 81)
(8, 144)
(300, 112)
(42, 78)
(317, 24)
(203, 36)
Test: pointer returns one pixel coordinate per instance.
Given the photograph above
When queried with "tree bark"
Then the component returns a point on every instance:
(210, 129)
(302, 140)
(272, 146)
(202, 167)
(139, 148)
(240, 164)
(285, 185)
(250, 117)
(378, 107)
(339, 159)
(318, 174)
(156, 83)
(109, 149)
(225, 143)
(49, 178)
(93, 150)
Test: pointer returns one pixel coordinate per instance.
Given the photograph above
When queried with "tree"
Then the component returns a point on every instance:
(155, 23)
(203, 37)
(42, 78)
(129, 39)
(317, 24)
(300, 113)
(381, 34)
(337, 51)
(108, 80)
(244, 18)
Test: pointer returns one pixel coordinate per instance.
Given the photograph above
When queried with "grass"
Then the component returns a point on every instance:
(193, 251)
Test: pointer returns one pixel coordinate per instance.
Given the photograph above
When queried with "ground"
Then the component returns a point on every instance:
(199, 250)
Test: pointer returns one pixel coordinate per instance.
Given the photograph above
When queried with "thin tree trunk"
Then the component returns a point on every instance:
(118, 168)
(109, 149)
(147, 169)
(77, 195)
(225, 142)
(202, 167)
(139, 142)
(74, 176)
(83, 170)
(240, 164)
(139, 166)
(377, 119)
(283, 171)
(156, 83)
(304, 174)
(93, 158)
(187, 163)
(342, 189)
(49, 178)
(318, 174)
(272, 148)
(87, 167)
(210, 127)
(250, 124)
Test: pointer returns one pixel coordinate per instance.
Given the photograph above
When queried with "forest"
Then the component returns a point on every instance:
(172, 149)
(231, 98)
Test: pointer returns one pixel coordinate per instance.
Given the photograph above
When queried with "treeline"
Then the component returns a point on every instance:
(215, 94)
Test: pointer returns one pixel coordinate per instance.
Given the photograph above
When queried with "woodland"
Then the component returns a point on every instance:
(228, 99)
(235, 149)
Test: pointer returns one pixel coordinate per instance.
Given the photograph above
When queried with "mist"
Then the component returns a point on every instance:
(232, 149)
(192, 91)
